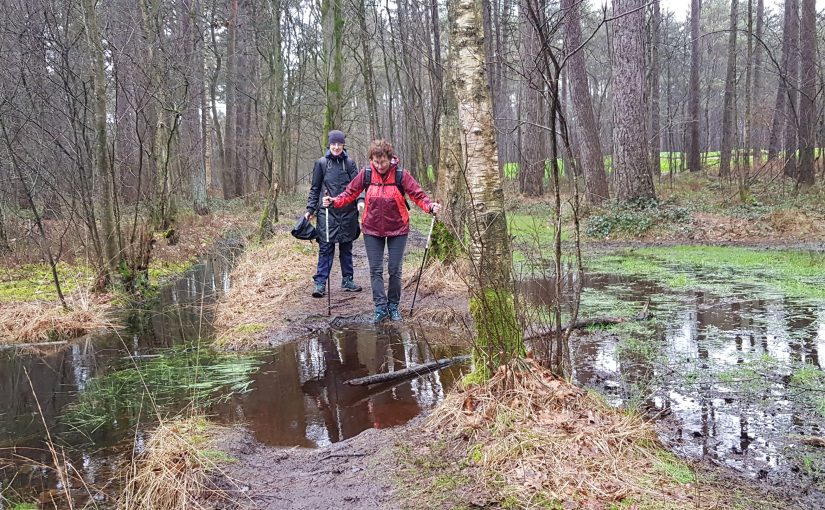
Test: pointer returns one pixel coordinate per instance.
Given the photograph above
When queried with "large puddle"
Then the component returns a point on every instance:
(736, 376)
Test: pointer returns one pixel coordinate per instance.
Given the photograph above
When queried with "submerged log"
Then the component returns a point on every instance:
(416, 370)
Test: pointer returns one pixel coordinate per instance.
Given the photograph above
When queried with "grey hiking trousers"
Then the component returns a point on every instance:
(375, 256)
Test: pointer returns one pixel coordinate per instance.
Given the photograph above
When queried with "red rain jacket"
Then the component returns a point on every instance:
(385, 214)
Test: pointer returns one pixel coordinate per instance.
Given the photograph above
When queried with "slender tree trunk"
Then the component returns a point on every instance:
(274, 121)
(757, 128)
(111, 239)
(729, 108)
(792, 87)
(630, 157)
(332, 21)
(199, 121)
(655, 94)
(213, 99)
(693, 156)
(231, 175)
(497, 335)
(807, 88)
(366, 70)
(747, 164)
(5, 247)
(592, 156)
(781, 109)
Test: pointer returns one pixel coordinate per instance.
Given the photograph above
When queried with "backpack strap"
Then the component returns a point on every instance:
(399, 175)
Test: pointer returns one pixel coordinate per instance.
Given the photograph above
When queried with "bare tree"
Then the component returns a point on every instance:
(532, 137)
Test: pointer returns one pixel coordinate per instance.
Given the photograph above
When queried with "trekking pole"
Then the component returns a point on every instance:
(329, 287)
(423, 259)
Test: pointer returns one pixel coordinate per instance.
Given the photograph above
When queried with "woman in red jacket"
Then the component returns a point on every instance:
(386, 221)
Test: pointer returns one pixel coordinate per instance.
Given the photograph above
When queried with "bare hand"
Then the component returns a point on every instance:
(327, 201)
(360, 207)
(309, 216)
(434, 208)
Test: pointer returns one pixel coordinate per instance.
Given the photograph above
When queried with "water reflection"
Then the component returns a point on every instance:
(723, 373)
(300, 398)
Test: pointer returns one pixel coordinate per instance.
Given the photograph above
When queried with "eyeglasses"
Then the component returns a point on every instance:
(336, 146)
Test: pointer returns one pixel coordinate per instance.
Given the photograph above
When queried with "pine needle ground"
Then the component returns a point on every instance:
(527, 439)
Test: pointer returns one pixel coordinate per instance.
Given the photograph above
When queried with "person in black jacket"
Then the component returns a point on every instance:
(330, 176)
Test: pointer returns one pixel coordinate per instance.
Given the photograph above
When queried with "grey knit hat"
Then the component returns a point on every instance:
(336, 136)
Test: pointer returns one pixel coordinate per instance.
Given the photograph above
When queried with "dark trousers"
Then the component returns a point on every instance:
(395, 258)
(326, 254)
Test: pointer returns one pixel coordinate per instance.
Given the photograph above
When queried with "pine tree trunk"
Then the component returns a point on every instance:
(693, 157)
(630, 161)
(592, 156)
(807, 88)
(729, 107)
(533, 149)
(230, 163)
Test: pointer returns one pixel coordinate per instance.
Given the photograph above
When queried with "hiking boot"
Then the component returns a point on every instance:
(349, 286)
(380, 314)
(394, 312)
(320, 290)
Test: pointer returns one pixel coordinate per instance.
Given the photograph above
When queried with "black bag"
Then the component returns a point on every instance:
(304, 230)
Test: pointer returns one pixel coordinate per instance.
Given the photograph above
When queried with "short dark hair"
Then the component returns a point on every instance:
(380, 147)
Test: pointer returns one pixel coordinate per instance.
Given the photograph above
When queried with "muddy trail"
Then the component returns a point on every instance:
(731, 371)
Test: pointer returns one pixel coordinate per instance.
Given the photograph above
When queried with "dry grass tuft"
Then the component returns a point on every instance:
(439, 278)
(174, 471)
(43, 321)
(536, 438)
(263, 282)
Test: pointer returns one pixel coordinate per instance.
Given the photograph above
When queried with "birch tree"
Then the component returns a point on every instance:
(491, 305)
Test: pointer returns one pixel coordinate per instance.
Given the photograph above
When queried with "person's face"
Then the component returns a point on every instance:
(336, 148)
(381, 163)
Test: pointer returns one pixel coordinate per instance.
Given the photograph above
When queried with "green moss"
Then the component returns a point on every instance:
(34, 282)
(160, 270)
(252, 327)
(498, 336)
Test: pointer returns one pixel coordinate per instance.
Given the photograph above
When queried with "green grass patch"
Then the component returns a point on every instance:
(677, 470)
(792, 273)
(180, 376)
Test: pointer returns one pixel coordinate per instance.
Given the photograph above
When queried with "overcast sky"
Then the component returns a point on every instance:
(681, 8)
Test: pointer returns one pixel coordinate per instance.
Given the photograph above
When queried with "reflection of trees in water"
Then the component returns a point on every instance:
(300, 397)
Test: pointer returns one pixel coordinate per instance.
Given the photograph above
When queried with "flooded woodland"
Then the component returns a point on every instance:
(728, 367)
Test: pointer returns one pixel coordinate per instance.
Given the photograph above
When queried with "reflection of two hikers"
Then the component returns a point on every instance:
(381, 188)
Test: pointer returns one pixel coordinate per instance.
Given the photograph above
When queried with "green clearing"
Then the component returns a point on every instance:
(791, 273)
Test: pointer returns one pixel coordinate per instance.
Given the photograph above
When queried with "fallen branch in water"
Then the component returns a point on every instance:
(416, 370)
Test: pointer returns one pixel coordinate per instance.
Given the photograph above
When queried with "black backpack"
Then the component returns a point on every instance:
(399, 174)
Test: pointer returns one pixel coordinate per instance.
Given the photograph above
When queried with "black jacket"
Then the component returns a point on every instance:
(332, 174)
